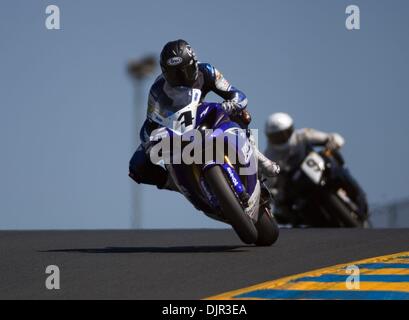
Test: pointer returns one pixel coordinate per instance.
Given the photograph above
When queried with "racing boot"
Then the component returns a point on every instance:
(169, 184)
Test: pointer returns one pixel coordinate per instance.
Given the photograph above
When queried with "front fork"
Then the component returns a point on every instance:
(234, 179)
(266, 198)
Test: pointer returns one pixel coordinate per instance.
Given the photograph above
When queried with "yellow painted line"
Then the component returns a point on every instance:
(287, 283)
(386, 271)
(393, 286)
(381, 271)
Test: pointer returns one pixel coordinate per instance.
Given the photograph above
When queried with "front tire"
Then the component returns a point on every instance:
(341, 211)
(267, 229)
(230, 206)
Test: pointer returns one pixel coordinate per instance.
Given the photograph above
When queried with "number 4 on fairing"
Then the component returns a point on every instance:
(187, 118)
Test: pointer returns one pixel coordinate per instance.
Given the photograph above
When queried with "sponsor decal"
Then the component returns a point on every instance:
(222, 84)
(232, 177)
(174, 61)
(204, 112)
(247, 151)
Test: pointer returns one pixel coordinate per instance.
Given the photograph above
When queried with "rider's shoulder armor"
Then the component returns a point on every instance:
(213, 80)
(208, 71)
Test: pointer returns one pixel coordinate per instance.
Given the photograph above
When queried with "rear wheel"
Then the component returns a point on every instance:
(267, 229)
(230, 205)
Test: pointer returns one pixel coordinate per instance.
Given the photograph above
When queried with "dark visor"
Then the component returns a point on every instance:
(182, 76)
(281, 136)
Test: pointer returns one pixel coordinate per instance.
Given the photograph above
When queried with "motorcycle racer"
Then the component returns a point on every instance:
(289, 147)
(180, 68)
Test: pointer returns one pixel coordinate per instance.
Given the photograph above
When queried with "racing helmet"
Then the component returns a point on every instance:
(179, 63)
(279, 128)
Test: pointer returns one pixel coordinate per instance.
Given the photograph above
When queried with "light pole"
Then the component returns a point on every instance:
(139, 70)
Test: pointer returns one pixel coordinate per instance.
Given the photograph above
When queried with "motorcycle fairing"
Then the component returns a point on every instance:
(187, 113)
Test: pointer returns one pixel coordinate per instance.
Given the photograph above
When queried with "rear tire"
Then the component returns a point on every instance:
(267, 229)
(230, 206)
(341, 211)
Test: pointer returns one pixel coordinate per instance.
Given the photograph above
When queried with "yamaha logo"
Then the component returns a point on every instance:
(174, 61)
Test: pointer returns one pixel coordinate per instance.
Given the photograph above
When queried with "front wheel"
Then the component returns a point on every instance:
(342, 212)
(267, 229)
(230, 205)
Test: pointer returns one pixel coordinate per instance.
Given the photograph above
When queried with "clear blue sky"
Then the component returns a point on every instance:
(65, 99)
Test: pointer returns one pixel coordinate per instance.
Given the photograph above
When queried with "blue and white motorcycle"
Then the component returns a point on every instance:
(224, 184)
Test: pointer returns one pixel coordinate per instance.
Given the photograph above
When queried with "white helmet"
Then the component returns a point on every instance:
(279, 128)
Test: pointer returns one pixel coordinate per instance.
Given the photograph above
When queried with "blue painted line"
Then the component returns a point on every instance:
(384, 265)
(326, 294)
(362, 277)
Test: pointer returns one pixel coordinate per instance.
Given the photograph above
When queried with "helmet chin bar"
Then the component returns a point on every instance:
(181, 76)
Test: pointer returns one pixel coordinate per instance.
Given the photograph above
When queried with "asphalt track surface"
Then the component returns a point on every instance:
(173, 264)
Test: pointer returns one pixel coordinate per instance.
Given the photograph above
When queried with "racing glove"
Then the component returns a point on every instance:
(335, 141)
(231, 107)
